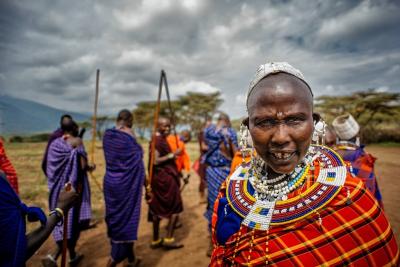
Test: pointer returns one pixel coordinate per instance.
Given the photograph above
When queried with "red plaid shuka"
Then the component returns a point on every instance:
(7, 168)
(354, 233)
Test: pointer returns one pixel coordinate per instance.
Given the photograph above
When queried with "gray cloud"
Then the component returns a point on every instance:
(50, 50)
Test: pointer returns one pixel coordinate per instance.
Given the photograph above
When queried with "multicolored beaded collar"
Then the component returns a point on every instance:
(260, 214)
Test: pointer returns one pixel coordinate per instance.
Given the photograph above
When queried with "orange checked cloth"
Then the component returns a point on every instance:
(324, 223)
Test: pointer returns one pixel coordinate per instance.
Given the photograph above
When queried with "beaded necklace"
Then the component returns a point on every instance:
(279, 187)
(261, 214)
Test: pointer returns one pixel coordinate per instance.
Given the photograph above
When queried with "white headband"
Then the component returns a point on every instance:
(271, 68)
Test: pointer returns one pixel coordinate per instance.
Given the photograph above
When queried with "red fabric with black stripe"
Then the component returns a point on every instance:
(7, 168)
(355, 234)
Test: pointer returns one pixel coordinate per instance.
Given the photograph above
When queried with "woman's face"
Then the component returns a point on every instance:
(281, 121)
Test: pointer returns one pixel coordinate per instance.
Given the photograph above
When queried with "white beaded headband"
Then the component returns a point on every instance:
(271, 68)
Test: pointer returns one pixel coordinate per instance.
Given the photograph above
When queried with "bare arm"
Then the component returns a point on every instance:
(158, 160)
(37, 237)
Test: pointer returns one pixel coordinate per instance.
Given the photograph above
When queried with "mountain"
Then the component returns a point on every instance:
(20, 116)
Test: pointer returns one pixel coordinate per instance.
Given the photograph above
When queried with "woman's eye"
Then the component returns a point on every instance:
(267, 123)
(293, 120)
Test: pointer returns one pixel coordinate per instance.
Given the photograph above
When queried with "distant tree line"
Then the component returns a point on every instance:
(191, 109)
(378, 113)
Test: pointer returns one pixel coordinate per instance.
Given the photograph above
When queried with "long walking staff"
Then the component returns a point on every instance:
(65, 240)
(172, 114)
(173, 124)
(153, 135)
(94, 124)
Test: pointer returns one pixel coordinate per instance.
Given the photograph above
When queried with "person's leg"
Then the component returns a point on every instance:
(171, 225)
(133, 260)
(157, 241)
(156, 228)
(57, 251)
(74, 257)
(111, 263)
(51, 259)
(169, 241)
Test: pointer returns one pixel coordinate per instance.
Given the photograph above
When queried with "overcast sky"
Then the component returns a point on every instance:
(49, 50)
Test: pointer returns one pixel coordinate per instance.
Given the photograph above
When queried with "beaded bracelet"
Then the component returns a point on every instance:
(59, 213)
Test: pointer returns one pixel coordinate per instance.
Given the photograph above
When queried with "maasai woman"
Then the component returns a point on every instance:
(361, 163)
(295, 204)
(222, 145)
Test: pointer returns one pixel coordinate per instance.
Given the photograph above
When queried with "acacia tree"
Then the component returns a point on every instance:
(197, 107)
(190, 109)
(143, 114)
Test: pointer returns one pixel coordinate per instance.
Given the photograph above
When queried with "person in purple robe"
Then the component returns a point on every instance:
(67, 162)
(164, 199)
(123, 185)
(66, 118)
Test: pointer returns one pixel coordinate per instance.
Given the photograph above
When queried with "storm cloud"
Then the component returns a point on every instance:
(50, 50)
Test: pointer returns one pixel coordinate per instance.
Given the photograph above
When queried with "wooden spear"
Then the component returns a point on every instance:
(94, 127)
(173, 129)
(154, 132)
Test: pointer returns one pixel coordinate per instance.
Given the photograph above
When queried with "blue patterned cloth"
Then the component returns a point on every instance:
(123, 185)
(13, 243)
(218, 165)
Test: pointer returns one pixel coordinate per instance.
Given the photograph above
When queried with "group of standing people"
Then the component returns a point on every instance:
(278, 197)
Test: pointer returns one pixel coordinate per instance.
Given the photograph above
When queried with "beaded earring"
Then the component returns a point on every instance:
(318, 136)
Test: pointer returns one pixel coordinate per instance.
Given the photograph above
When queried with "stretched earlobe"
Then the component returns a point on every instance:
(245, 122)
(316, 117)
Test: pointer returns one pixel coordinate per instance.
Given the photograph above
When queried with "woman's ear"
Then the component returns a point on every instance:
(316, 117)
(246, 122)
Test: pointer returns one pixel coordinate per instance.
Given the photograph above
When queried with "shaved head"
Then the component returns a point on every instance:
(279, 84)
(125, 118)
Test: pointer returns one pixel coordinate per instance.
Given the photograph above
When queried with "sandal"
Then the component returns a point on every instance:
(135, 263)
(75, 261)
(170, 243)
(157, 244)
(49, 261)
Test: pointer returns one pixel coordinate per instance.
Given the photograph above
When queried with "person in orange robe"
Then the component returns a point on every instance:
(183, 160)
(8, 168)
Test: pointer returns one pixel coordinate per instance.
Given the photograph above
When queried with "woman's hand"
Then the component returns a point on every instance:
(67, 198)
(178, 152)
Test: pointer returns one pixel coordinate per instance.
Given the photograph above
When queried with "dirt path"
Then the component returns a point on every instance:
(95, 245)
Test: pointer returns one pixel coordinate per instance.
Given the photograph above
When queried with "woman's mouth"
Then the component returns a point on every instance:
(282, 156)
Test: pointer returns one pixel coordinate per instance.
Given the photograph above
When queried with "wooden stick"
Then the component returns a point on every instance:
(94, 119)
(153, 135)
(172, 114)
(65, 240)
(94, 127)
